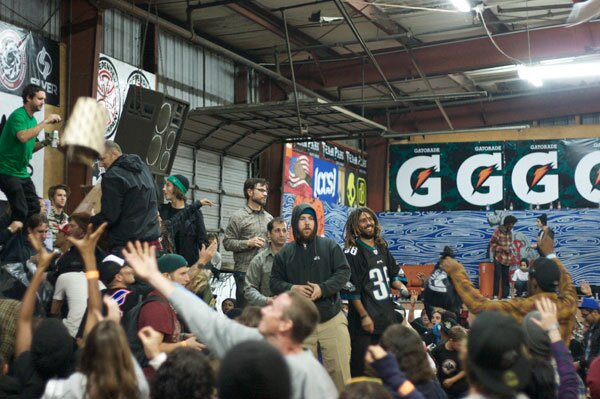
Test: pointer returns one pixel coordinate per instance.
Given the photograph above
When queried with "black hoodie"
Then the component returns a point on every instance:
(129, 202)
(320, 261)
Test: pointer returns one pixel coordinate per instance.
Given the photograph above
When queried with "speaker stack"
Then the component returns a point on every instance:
(150, 126)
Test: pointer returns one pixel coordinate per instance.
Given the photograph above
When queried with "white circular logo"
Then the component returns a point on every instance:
(13, 59)
(109, 94)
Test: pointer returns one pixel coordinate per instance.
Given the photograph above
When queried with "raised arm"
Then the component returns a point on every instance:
(24, 333)
(215, 330)
(87, 248)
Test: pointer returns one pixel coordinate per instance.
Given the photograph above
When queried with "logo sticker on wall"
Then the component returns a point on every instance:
(531, 180)
(109, 94)
(420, 189)
(13, 59)
(476, 182)
(325, 181)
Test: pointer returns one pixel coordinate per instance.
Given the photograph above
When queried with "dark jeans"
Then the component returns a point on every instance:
(501, 273)
(359, 344)
(240, 280)
(520, 288)
(21, 196)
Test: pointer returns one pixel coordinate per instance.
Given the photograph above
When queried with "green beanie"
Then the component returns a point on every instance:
(170, 262)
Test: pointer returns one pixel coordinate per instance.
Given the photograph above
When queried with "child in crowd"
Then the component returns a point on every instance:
(447, 357)
(520, 278)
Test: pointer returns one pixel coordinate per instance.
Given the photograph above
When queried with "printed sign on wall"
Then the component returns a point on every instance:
(327, 176)
(495, 175)
(114, 78)
(28, 58)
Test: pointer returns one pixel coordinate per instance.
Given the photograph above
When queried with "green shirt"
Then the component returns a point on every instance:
(15, 155)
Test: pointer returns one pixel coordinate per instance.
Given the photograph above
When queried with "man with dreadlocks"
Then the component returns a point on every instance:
(374, 271)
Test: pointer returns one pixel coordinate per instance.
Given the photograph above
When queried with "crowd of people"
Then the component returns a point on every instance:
(117, 304)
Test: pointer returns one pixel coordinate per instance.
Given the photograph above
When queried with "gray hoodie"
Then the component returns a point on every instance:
(219, 334)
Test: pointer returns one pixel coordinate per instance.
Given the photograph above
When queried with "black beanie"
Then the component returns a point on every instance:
(546, 273)
(254, 369)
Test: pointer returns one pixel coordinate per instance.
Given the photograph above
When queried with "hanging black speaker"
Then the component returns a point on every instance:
(150, 126)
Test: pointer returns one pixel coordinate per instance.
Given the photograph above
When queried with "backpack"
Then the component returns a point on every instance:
(130, 325)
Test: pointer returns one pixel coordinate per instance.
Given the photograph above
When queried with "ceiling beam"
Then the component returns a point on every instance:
(499, 112)
(463, 55)
(496, 26)
(379, 18)
(274, 24)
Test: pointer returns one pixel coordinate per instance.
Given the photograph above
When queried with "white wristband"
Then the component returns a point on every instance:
(551, 256)
(156, 361)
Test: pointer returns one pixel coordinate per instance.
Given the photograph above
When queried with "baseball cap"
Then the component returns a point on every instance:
(65, 229)
(589, 303)
(496, 355)
(546, 273)
(448, 321)
(110, 267)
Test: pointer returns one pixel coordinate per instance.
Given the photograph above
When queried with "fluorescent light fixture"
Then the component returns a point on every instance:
(462, 5)
(570, 70)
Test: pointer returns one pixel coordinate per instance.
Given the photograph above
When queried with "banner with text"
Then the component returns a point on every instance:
(495, 175)
(28, 58)
(328, 177)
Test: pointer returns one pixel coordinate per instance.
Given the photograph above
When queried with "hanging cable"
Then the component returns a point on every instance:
(479, 10)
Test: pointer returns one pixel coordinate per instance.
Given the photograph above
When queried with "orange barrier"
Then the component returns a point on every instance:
(486, 279)
(411, 272)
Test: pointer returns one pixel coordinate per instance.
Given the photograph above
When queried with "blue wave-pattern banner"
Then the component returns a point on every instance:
(419, 237)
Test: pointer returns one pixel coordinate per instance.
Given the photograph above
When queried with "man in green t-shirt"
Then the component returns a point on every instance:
(17, 144)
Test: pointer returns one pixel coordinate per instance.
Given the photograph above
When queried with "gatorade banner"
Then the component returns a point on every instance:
(495, 175)
(28, 58)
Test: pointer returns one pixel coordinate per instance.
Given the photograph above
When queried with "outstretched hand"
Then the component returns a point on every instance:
(548, 311)
(44, 257)
(585, 287)
(87, 245)
(142, 258)
(205, 254)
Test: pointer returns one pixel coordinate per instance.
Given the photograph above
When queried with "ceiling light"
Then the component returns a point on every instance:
(317, 17)
(462, 5)
(571, 70)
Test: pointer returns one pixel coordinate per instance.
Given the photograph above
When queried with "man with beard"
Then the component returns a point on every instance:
(17, 144)
(374, 273)
(246, 232)
(316, 268)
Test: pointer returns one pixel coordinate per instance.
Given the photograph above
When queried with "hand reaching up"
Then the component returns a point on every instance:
(44, 257)
(142, 258)
(87, 245)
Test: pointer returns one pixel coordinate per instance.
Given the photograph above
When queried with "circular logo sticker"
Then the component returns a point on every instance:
(137, 78)
(109, 94)
(13, 59)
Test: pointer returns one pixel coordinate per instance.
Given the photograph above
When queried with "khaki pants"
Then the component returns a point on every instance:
(334, 340)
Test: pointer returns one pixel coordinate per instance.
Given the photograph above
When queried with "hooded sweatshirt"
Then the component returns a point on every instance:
(319, 260)
(129, 202)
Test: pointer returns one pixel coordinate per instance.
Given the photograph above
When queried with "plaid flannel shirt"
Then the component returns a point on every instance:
(566, 299)
(500, 245)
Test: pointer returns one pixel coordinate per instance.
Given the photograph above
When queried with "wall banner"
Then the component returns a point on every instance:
(28, 58)
(329, 178)
(114, 78)
(495, 175)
